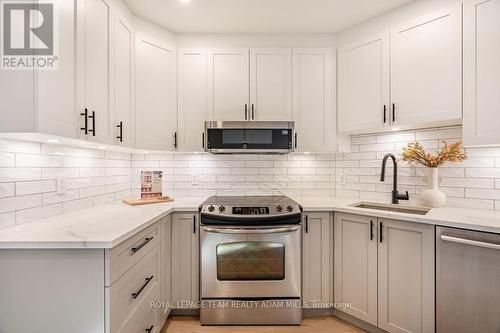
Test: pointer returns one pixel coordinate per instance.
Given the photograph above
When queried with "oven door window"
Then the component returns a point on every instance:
(249, 261)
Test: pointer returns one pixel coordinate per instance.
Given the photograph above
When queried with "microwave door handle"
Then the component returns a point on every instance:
(250, 230)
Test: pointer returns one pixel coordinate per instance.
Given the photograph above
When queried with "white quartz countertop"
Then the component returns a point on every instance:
(108, 225)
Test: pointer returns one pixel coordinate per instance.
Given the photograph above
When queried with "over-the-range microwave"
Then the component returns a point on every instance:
(226, 137)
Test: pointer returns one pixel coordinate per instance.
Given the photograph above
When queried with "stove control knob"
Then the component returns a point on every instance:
(211, 208)
(222, 209)
(279, 209)
(289, 208)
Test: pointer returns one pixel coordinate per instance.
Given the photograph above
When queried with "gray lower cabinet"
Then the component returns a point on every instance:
(185, 260)
(317, 276)
(384, 271)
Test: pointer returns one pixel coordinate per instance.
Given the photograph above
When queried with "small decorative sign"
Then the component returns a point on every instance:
(151, 184)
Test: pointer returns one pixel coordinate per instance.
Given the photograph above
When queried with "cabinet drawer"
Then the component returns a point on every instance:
(129, 299)
(122, 257)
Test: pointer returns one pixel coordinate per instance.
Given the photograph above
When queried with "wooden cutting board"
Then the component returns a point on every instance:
(139, 202)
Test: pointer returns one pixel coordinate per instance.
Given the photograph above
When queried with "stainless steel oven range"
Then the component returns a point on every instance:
(250, 261)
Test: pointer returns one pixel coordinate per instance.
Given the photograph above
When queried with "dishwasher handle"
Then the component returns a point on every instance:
(470, 242)
(250, 230)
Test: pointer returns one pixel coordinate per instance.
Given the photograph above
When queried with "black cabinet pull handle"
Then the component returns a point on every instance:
(138, 292)
(246, 112)
(393, 112)
(295, 140)
(253, 115)
(202, 140)
(194, 224)
(371, 230)
(149, 330)
(381, 232)
(93, 123)
(307, 224)
(85, 115)
(175, 140)
(140, 246)
(385, 113)
(120, 126)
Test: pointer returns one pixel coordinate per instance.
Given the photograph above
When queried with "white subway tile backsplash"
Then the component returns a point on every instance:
(37, 213)
(34, 187)
(7, 160)
(7, 190)
(7, 220)
(19, 174)
(38, 161)
(22, 202)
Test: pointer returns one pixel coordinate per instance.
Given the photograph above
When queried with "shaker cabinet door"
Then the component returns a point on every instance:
(355, 273)
(363, 79)
(228, 84)
(317, 260)
(481, 72)
(155, 101)
(426, 69)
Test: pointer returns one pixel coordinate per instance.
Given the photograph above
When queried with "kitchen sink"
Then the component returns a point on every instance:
(393, 208)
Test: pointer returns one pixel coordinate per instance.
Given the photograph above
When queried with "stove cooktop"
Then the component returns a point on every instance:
(247, 206)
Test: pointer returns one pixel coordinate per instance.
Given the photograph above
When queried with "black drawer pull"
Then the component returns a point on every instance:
(194, 224)
(202, 140)
(146, 240)
(381, 232)
(385, 113)
(138, 292)
(149, 330)
(93, 123)
(120, 126)
(85, 115)
(295, 140)
(371, 230)
(393, 112)
(307, 224)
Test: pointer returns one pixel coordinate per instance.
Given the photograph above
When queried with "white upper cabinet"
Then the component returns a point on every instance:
(192, 98)
(312, 100)
(228, 84)
(124, 81)
(426, 69)
(481, 72)
(270, 84)
(155, 102)
(363, 84)
(95, 70)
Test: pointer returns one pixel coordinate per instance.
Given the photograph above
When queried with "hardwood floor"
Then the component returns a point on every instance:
(319, 324)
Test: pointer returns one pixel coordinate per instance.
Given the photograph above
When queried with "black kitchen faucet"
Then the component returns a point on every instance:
(396, 196)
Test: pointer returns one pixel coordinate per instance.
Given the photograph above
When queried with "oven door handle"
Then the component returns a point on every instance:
(250, 230)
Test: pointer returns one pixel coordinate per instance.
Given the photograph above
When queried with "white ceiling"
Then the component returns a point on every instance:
(260, 16)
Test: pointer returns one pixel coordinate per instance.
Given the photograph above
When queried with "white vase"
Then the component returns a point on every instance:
(433, 197)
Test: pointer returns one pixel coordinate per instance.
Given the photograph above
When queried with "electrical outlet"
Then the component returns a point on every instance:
(195, 181)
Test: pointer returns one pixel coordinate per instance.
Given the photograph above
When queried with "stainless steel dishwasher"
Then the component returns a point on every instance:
(467, 281)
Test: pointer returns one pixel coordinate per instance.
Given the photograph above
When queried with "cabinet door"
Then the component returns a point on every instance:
(426, 69)
(355, 273)
(165, 268)
(406, 277)
(94, 37)
(228, 84)
(312, 100)
(123, 87)
(192, 99)
(270, 84)
(481, 72)
(185, 260)
(317, 260)
(155, 102)
(56, 103)
(363, 84)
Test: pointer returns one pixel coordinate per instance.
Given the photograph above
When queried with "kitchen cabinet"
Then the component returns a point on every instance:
(94, 74)
(313, 112)
(123, 60)
(228, 84)
(405, 276)
(386, 265)
(192, 67)
(185, 260)
(44, 101)
(363, 84)
(426, 69)
(317, 290)
(355, 273)
(481, 72)
(270, 84)
(155, 92)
